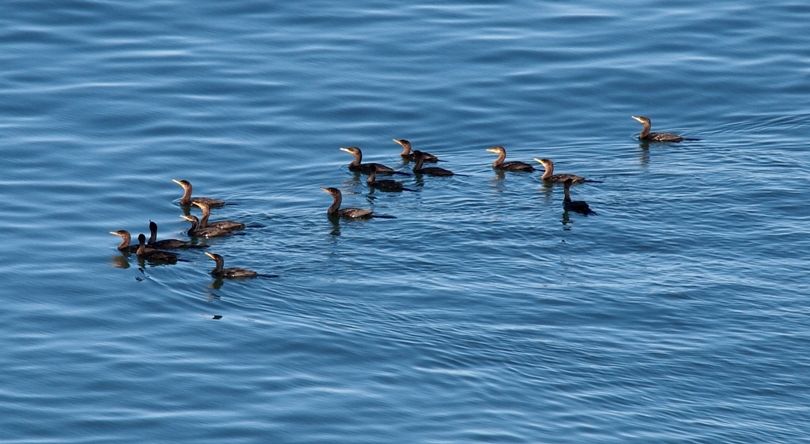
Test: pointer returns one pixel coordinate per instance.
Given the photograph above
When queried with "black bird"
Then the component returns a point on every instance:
(186, 200)
(358, 165)
(654, 137)
(228, 273)
(227, 225)
(407, 154)
(167, 243)
(577, 206)
(385, 184)
(550, 177)
(348, 213)
(419, 157)
(513, 165)
(152, 255)
(126, 238)
(207, 232)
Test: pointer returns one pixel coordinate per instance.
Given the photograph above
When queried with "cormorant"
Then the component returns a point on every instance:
(126, 238)
(549, 176)
(153, 255)
(228, 273)
(167, 243)
(208, 232)
(348, 213)
(419, 157)
(514, 165)
(577, 206)
(407, 154)
(358, 165)
(227, 225)
(654, 137)
(385, 184)
(186, 200)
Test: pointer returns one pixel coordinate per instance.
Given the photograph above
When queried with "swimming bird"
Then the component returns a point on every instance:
(208, 232)
(228, 273)
(407, 154)
(550, 177)
(167, 243)
(358, 165)
(227, 225)
(126, 238)
(186, 200)
(334, 210)
(513, 165)
(153, 255)
(419, 157)
(385, 184)
(654, 137)
(577, 206)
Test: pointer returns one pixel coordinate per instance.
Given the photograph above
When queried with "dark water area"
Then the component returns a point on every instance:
(481, 313)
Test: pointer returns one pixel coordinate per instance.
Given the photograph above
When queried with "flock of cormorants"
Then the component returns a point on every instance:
(153, 250)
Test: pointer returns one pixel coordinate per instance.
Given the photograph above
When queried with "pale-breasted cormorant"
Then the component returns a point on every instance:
(358, 165)
(513, 165)
(348, 213)
(549, 176)
(126, 239)
(407, 152)
(654, 137)
(227, 225)
(186, 200)
(208, 232)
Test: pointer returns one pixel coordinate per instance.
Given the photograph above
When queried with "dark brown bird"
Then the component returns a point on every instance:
(646, 134)
(187, 199)
(419, 157)
(385, 184)
(365, 168)
(513, 165)
(170, 244)
(577, 206)
(549, 176)
(126, 238)
(152, 255)
(227, 225)
(407, 152)
(207, 232)
(228, 273)
(334, 210)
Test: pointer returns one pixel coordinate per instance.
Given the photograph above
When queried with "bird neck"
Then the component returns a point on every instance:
(406, 150)
(125, 240)
(204, 220)
(186, 199)
(152, 234)
(336, 200)
(499, 161)
(549, 170)
(358, 159)
(645, 130)
(141, 248)
(418, 165)
(219, 263)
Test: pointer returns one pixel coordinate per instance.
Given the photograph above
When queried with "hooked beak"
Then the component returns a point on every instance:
(637, 119)
(188, 218)
(538, 160)
(114, 233)
(346, 149)
(210, 255)
(493, 150)
(178, 182)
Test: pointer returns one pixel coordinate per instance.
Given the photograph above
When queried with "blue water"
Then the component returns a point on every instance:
(680, 313)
